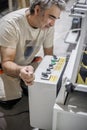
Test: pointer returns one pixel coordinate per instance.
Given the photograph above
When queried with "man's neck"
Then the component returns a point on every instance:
(31, 20)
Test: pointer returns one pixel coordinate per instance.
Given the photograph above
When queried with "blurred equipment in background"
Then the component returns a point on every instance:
(20, 4)
(13, 4)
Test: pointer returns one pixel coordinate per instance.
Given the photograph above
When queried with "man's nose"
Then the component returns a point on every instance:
(52, 22)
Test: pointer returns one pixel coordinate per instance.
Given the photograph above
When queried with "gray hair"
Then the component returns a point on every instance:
(45, 4)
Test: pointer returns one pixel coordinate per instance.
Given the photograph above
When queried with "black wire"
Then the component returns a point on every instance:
(15, 114)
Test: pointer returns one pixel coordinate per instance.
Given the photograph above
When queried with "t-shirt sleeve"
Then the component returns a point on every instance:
(49, 38)
(8, 34)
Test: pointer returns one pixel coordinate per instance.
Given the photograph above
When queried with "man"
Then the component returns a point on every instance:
(21, 35)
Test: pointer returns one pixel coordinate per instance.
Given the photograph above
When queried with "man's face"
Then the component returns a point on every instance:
(47, 18)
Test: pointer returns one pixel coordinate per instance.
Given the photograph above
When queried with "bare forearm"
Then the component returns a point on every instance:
(48, 51)
(26, 73)
(11, 68)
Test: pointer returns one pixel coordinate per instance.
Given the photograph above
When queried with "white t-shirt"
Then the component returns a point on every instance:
(15, 32)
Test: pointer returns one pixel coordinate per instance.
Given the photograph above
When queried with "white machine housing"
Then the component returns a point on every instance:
(70, 109)
(42, 94)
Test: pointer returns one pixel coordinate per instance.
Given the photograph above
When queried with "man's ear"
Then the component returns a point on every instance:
(37, 10)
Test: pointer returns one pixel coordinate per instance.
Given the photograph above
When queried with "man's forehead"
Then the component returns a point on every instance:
(54, 11)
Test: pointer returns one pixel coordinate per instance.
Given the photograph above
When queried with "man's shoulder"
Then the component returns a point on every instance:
(15, 14)
(21, 11)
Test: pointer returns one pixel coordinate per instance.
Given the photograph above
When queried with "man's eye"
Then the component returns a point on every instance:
(51, 17)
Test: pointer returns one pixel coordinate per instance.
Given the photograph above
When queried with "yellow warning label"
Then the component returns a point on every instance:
(58, 67)
(62, 60)
(53, 78)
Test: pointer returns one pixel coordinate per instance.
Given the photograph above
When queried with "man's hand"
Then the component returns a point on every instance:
(27, 75)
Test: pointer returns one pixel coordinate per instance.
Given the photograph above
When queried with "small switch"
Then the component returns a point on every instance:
(50, 66)
(44, 74)
(48, 71)
(54, 56)
(53, 62)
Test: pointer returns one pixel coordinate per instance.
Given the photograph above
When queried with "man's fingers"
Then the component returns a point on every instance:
(29, 83)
